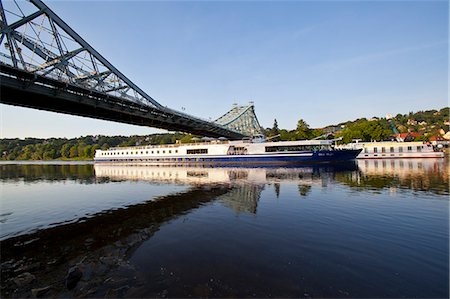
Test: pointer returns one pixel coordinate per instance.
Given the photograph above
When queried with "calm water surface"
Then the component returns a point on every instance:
(365, 229)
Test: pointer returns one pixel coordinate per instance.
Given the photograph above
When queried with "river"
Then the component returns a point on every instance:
(374, 228)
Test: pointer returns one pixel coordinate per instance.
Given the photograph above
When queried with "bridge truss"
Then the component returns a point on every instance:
(242, 119)
(44, 64)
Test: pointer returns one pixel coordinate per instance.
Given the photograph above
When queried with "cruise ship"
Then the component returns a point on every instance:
(252, 151)
(386, 150)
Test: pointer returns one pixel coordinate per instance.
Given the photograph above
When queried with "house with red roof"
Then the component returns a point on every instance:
(438, 140)
(410, 136)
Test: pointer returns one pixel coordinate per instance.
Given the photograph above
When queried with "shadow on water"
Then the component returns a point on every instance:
(97, 250)
(95, 244)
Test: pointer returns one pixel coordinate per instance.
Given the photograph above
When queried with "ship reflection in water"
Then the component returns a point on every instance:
(246, 184)
(329, 230)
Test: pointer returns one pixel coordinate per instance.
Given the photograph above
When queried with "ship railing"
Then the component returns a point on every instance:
(139, 147)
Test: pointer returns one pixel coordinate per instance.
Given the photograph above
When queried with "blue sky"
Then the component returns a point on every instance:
(322, 61)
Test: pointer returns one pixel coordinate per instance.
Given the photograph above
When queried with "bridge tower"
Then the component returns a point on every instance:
(242, 119)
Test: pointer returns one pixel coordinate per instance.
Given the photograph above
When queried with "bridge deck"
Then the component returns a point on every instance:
(24, 89)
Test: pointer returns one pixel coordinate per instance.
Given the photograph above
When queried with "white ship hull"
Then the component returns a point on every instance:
(395, 150)
(229, 153)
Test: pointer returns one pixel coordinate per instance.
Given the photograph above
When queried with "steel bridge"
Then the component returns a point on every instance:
(44, 64)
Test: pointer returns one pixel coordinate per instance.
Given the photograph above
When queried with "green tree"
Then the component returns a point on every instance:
(274, 130)
(73, 152)
(80, 149)
(88, 151)
(186, 139)
(65, 150)
(303, 131)
(93, 149)
(27, 152)
(49, 155)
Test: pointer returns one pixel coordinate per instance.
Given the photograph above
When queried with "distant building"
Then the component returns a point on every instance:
(447, 135)
(438, 140)
(410, 136)
(412, 122)
(331, 129)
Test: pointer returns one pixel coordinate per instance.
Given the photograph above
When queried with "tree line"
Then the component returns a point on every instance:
(82, 148)
(430, 123)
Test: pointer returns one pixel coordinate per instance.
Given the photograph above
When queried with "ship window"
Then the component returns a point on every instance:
(400, 149)
(176, 151)
(375, 150)
(391, 149)
(146, 152)
(157, 152)
(409, 148)
(152, 152)
(164, 152)
(170, 152)
(197, 151)
(419, 148)
(295, 148)
(142, 152)
(365, 150)
(383, 150)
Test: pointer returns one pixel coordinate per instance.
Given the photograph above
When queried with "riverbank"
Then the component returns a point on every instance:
(91, 258)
